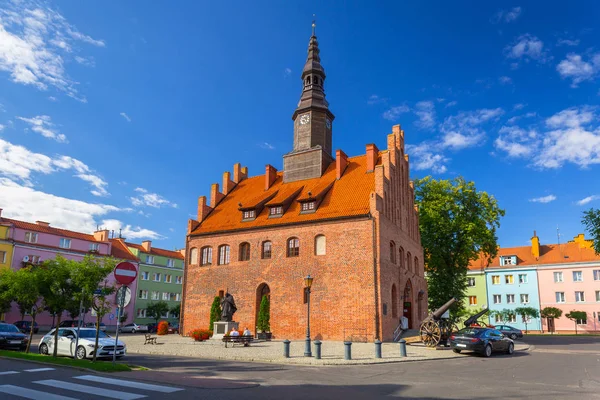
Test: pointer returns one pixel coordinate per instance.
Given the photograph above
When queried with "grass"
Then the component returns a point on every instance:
(101, 366)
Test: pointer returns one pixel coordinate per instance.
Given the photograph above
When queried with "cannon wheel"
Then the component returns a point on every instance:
(431, 333)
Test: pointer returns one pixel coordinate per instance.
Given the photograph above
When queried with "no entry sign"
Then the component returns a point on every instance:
(125, 273)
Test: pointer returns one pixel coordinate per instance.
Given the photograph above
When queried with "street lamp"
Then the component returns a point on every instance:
(307, 284)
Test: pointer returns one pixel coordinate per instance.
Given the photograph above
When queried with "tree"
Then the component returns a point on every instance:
(175, 310)
(156, 310)
(215, 312)
(5, 294)
(26, 289)
(505, 314)
(264, 315)
(102, 304)
(591, 221)
(457, 225)
(526, 313)
(577, 316)
(551, 313)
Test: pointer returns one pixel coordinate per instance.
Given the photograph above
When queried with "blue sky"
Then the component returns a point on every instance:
(120, 114)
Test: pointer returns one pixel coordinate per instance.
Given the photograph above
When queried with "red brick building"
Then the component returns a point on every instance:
(350, 222)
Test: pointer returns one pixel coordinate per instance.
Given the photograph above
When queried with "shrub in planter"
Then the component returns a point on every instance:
(163, 328)
(264, 315)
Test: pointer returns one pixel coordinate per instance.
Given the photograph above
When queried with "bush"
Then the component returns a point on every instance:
(264, 315)
(215, 312)
(200, 335)
(163, 328)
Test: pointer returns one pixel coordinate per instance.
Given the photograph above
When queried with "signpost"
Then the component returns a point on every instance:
(125, 273)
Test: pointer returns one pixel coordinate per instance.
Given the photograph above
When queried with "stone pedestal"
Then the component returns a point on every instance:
(220, 328)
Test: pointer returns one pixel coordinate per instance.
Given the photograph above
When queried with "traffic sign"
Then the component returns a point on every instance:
(123, 296)
(125, 273)
(111, 316)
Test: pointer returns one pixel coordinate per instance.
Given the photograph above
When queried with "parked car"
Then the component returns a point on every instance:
(85, 349)
(93, 325)
(484, 341)
(69, 323)
(152, 327)
(12, 338)
(25, 326)
(511, 332)
(133, 328)
(173, 327)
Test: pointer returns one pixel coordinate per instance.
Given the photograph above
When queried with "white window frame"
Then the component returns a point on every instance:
(177, 296)
(597, 274)
(145, 275)
(31, 237)
(498, 279)
(149, 259)
(206, 255)
(578, 274)
(582, 322)
(141, 313)
(143, 294)
(579, 296)
(179, 280)
(526, 297)
(165, 296)
(64, 243)
(598, 299)
(498, 318)
(497, 297)
(559, 297)
(34, 259)
(156, 277)
(513, 318)
(94, 246)
(558, 277)
(509, 277)
(469, 281)
(526, 319)
(510, 297)
(168, 278)
(2, 257)
(155, 295)
(473, 303)
(165, 315)
(523, 278)
(170, 263)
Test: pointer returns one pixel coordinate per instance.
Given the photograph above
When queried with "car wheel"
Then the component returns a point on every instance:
(513, 336)
(80, 353)
(133, 331)
(456, 350)
(487, 352)
(511, 348)
(43, 349)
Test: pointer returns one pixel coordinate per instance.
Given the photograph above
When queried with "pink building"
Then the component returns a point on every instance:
(37, 242)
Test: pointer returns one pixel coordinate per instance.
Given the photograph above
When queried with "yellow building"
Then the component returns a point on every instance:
(6, 247)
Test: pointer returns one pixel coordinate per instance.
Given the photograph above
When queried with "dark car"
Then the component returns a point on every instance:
(152, 327)
(69, 323)
(484, 341)
(25, 326)
(511, 332)
(173, 327)
(12, 338)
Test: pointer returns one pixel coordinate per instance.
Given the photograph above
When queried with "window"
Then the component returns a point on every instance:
(143, 294)
(193, 256)
(31, 237)
(164, 315)
(597, 274)
(598, 298)
(172, 296)
(167, 278)
(149, 259)
(293, 247)
(34, 259)
(577, 276)
(155, 295)
(250, 214)
(472, 300)
(206, 257)
(401, 257)
(320, 245)
(177, 296)
(507, 261)
(141, 313)
(524, 299)
(165, 296)
(266, 250)
(408, 261)
(497, 299)
(495, 279)
(179, 280)
(244, 251)
(498, 318)
(509, 279)
(560, 297)
(510, 298)
(309, 206)
(94, 246)
(223, 254)
(526, 319)
(582, 321)
(2, 257)
(512, 318)
(170, 263)
(393, 252)
(470, 282)
(156, 277)
(145, 275)
(579, 297)
(276, 210)
(558, 277)
(64, 243)
(523, 278)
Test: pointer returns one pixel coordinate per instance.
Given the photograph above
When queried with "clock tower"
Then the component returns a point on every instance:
(312, 123)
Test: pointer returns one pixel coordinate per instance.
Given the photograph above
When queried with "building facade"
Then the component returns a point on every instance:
(476, 296)
(349, 222)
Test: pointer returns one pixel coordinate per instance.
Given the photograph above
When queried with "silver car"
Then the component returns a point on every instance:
(87, 342)
(133, 328)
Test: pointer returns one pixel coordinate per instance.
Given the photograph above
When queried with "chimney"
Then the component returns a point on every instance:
(215, 195)
(228, 184)
(341, 162)
(270, 176)
(372, 155)
(535, 246)
(42, 223)
(239, 173)
(203, 208)
(101, 235)
(244, 172)
(147, 246)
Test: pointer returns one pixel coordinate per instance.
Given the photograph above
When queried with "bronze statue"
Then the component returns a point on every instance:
(228, 307)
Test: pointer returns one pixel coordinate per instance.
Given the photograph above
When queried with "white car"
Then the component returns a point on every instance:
(133, 328)
(67, 338)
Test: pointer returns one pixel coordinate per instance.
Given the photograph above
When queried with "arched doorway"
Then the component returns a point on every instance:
(407, 303)
(262, 290)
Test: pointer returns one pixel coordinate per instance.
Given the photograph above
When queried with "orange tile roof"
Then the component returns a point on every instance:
(49, 229)
(156, 251)
(348, 197)
(119, 250)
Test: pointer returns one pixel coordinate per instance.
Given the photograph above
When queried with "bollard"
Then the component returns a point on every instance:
(402, 347)
(317, 349)
(348, 351)
(377, 348)
(286, 348)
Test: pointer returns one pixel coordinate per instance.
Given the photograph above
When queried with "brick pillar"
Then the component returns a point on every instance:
(270, 176)
(372, 155)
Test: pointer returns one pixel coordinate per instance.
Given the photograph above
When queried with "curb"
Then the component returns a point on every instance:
(66, 366)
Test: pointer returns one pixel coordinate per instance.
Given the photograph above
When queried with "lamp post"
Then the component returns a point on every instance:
(307, 284)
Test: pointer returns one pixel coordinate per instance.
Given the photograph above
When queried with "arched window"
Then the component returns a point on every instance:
(320, 245)
(193, 256)
(416, 265)
(244, 251)
(393, 252)
(394, 302)
(293, 247)
(206, 256)
(266, 250)
(408, 261)
(401, 257)
(224, 254)
(316, 80)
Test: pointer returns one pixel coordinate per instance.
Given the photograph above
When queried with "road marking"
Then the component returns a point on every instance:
(9, 372)
(39, 369)
(31, 394)
(113, 394)
(130, 384)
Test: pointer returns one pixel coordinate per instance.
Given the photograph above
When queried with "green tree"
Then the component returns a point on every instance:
(526, 313)
(591, 221)
(264, 315)
(26, 289)
(577, 316)
(215, 312)
(551, 313)
(175, 310)
(5, 293)
(505, 314)
(155, 310)
(457, 224)
(102, 304)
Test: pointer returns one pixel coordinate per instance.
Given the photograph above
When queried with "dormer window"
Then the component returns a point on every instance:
(249, 214)
(276, 211)
(508, 260)
(309, 206)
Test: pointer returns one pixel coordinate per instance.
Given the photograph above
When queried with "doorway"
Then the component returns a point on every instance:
(262, 290)
(407, 308)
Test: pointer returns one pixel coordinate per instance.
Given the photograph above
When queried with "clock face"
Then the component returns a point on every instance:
(305, 119)
(328, 123)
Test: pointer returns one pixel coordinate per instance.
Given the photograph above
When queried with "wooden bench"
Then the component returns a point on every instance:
(245, 340)
(150, 339)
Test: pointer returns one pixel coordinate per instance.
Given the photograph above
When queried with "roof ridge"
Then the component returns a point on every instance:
(33, 224)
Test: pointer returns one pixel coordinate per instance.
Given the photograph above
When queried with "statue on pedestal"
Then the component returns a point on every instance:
(228, 307)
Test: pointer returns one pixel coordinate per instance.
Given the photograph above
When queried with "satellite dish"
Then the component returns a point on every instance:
(26, 259)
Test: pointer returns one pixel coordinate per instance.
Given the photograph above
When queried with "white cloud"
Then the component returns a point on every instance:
(516, 118)
(425, 110)
(588, 199)
(567, 42)
(287, 72)
(146, 198)
(527, 47)
(35, 40)
(267, 145)
(88, 62)
(464, 129)
(545, 199)
(127, 118)
(575, 68)
(506, 15)
(519, 106)
(426, 156)
(375, 99)
(130, 232)
(505, 80)
(43, 125)
(1, 127)
(52, 98)
(452, 104)
(394, 112)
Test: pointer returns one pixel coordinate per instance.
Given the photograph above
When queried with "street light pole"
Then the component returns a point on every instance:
(307, 347)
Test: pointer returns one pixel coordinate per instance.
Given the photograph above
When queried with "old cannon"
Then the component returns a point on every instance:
(472, 320)
(435, 329)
